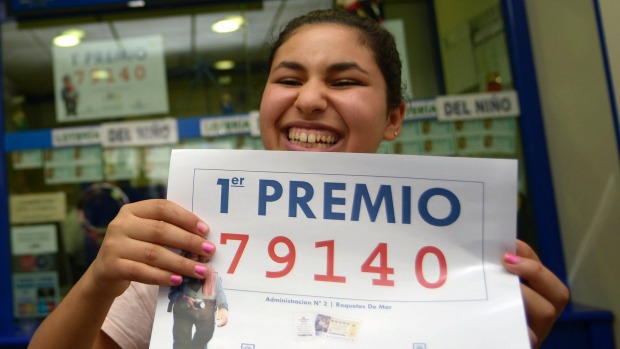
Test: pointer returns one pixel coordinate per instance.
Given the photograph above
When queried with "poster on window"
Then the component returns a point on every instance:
(110, 79)
(328, 250)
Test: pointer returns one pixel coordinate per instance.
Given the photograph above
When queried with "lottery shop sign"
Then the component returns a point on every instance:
(110, 79)
(322, 247)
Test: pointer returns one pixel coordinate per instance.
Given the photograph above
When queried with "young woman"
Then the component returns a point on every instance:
(334, 85)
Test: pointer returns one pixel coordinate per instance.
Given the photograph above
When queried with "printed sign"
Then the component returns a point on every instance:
(328, 250)
(27, 159)
(73, 136)
(222, 126)
(110, 79)
(34, 251)
(477, 106)
(37, 208)
(421, 109)
(136, 133)
(35, 294)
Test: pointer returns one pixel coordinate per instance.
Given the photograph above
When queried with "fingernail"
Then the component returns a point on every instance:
(200, 269)
(176, 279)
(202, 228)
(511, 258)
(208, 247)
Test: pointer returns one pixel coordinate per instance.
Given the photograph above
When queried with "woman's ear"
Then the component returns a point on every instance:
(394, 122)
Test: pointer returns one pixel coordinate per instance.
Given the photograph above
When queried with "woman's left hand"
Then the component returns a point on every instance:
(222, 317)
(545, 295)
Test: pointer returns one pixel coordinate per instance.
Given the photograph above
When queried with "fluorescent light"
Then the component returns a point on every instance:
(69, 38)
(66, 40)
(225, 64)
(228, 25)
(224, 80)
(136, 3)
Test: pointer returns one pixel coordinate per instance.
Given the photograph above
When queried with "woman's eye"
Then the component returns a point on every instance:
(341, 83)
(290, 82)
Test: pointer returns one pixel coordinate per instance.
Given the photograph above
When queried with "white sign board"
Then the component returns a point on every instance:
(138, 133)
(477, 106)
(110, 79)
(75, 136)
(334, 250)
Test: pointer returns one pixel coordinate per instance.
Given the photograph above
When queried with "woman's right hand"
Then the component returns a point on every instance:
(137, 247)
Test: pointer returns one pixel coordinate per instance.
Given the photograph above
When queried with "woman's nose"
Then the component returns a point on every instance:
(311, 98)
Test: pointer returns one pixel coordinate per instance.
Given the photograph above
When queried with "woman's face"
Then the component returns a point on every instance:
(326, 93)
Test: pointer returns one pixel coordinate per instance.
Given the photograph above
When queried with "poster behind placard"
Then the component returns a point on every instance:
(110, 79)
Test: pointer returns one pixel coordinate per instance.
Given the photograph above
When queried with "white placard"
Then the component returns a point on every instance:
(477, 106)
(73, 136)
(371, 249)
(110, 79)
(37, 208)
(137, 133)
(33, 239)
(226, 125)
(421, 109)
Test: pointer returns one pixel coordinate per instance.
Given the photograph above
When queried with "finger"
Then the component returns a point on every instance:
(524, 250)
(539, 278)
(541, 314)
(166, 234)
(154, 256)
(168, 211)
(147, 274)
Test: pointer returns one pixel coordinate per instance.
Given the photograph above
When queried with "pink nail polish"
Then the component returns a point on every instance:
(208, 247)
(176, 279)
(200, 269)
(512, 259)
(202, 228)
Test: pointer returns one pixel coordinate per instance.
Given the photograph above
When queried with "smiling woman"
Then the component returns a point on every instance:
(326, 77)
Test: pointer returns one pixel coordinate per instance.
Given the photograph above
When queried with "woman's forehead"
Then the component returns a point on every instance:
(325, 39)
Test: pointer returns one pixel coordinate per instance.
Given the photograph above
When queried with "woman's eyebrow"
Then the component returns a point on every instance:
(289, 65)
(334, 68)
(344, 66)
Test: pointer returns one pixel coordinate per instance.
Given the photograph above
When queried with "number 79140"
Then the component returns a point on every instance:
(376, 262)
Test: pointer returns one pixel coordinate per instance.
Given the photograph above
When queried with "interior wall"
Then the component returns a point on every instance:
(455, 12)
(582, 145)
(420, 50)
(609, 10)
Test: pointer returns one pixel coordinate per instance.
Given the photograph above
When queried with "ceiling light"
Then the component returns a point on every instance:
(224, 80)
(66, 40)
(227, 25)
(69, 38)
(225, 64)
(136, 3)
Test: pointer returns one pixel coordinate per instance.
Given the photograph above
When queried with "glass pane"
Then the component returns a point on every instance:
(137, 66)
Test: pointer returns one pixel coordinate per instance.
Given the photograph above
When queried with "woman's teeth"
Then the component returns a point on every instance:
(311, 138)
